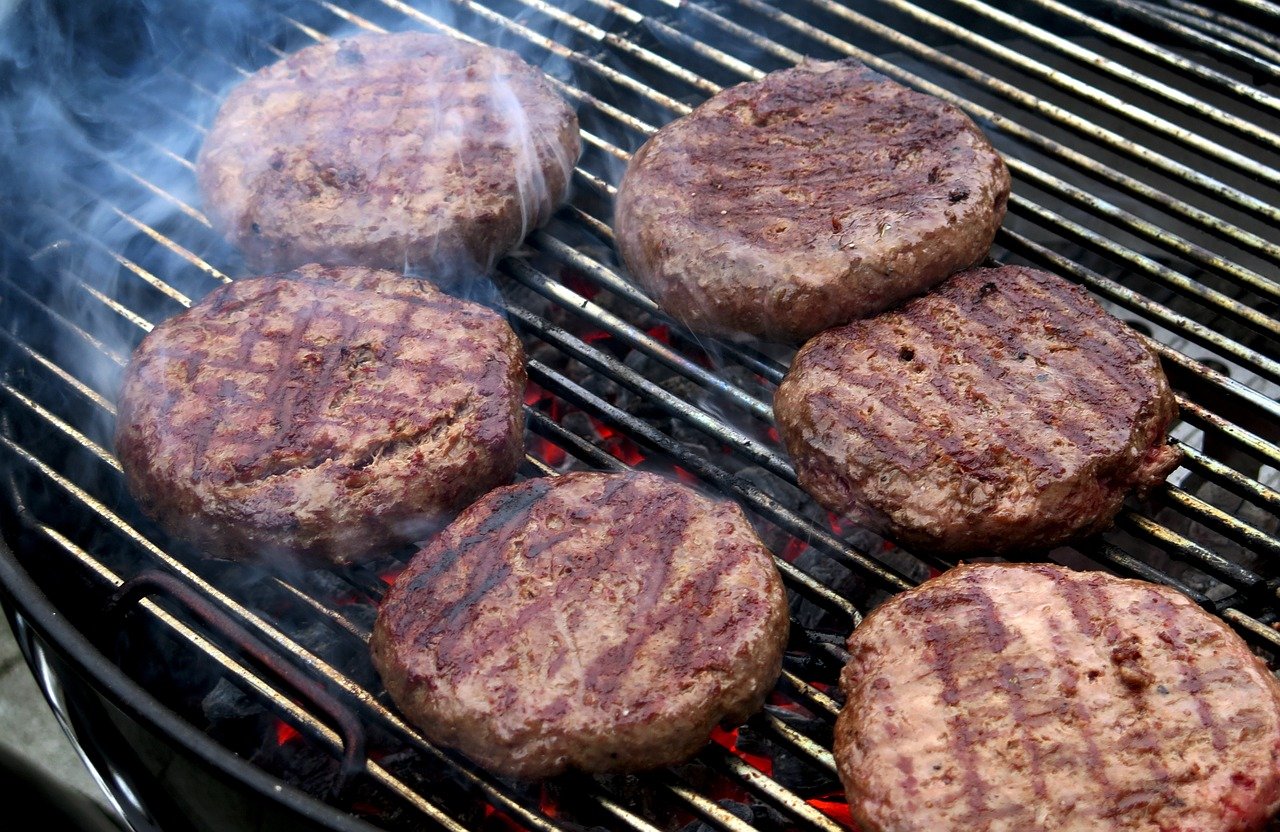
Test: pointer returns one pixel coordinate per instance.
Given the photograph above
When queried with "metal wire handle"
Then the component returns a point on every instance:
(348, 726)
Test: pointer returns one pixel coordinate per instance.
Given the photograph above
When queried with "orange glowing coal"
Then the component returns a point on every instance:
(285, 733)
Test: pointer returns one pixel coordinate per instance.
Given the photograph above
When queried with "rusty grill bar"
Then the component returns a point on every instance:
(1146, 169)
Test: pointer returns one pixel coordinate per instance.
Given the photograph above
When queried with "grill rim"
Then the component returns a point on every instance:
(214, 273)
(21, 595)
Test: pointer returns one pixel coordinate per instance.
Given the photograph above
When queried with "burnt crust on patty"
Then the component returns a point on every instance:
(1003, 412)
(1030, 697)
(598, 622)
(392, 151)
(325, 415)
(814, 196)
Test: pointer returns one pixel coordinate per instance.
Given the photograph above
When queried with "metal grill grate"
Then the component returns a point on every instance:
(1143, 141)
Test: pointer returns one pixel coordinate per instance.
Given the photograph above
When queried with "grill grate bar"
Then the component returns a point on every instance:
(1118, 70)
(1178, 245)
(1223, 19)
(1252, 627)
(798, 742)
(1213, 25)
(1226, 51)
(1168, 57)
(1229, 478)
(625, 332)
(1246, 441)
(1162, 274)
(603, 277)
(710, 811)
(94, 243)
(62, 427)
(763, 785)
(1107, 101)
(63, 376)
(1215, 518)
(1190, 551)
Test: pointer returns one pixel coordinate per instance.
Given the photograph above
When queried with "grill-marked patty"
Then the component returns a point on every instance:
(327, 413)
(387, 151)
(811, 197)
(1004, 411)
(1029, 697)
(601, 622)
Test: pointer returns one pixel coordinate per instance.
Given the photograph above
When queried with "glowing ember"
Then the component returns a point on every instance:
(685, 477)
(834, 807)
(389, 576)
(579, 284)
(786, 703)
(285, 733)
(547, 802)
(625, 450)
(616, 443)
(729, 739)
(661, 332)
(795, 548)
(496, 820)
(534, 394)
(550, 452)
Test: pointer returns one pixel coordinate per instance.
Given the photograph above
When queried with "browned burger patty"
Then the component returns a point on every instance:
(327, 414)
(1005, 411)
(1010, 698)
(388, 150)
(600, 622)
(809, 198)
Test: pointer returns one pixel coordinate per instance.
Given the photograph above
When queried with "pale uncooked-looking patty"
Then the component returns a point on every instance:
(1011, 698)
(811, 197)
(388, 151)
(1005, 411)
(327, 414)
(600, 622)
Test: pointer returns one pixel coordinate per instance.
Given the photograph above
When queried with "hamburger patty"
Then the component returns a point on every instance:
(388, 150)
(1005, 411)
(327, 414)
(600, 622)
(1030, 697)
(814, 196)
